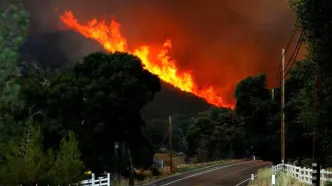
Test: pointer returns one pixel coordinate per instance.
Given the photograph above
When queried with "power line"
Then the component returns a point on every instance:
(278, 78)
(295, 49)
(287, 47)
(292, 59)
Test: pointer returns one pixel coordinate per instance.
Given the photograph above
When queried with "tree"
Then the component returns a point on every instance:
(260, 113)
(26, 162)
(114, 88)
(215, 134)
(302, 84)
(68, 168)
(253, 104)
(299, 108)
(180, 125)
(157, 131)
(315, 21)
(100, 99)
(14, 21)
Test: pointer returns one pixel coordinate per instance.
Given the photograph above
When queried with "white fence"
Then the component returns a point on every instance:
(302, 174)
(101, 181)
(106, 181)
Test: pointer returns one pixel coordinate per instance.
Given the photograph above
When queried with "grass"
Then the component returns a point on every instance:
(122, 183)
(263, 178)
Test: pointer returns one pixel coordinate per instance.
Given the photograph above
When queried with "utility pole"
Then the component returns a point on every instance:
(283, 106)
(318, 86)
(170, 143)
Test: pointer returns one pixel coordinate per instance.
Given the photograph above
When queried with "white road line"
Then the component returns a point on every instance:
(204, 172)
(244, 181)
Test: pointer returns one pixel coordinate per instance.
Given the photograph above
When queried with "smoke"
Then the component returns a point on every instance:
(221, 42)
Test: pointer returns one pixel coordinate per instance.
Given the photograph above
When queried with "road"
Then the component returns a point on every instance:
(224, 175)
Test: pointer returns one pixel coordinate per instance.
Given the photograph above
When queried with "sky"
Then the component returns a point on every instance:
(220, 42)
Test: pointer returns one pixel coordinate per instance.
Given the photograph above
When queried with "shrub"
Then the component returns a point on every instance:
(156, 172)
(67, 168)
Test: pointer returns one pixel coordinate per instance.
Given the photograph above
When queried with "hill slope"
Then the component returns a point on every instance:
(59, 48)
(170, 101)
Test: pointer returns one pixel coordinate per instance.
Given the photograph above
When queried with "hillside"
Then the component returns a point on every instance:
(59, 48)
(170, 101)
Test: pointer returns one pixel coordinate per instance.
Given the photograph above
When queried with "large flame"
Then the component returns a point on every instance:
(110, 37)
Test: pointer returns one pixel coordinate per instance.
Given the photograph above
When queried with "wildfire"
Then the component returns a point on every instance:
(110, 37)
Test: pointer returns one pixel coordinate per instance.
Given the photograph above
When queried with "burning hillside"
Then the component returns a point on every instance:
(158, 63)
(215, 44)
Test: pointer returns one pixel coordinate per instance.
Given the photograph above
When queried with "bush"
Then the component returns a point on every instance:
(193, 160)
(156, 172)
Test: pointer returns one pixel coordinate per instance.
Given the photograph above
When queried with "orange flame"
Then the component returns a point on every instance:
(110, 37)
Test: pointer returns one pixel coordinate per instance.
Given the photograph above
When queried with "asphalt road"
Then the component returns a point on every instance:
(223, 175)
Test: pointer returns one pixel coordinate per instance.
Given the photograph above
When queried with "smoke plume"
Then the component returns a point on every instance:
(220, 41)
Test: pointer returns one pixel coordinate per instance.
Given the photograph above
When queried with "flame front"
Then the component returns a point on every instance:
(110, 37)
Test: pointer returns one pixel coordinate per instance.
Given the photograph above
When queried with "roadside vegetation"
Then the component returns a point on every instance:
(264, 177)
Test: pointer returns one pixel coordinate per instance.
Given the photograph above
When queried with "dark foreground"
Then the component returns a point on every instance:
(224, 175)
